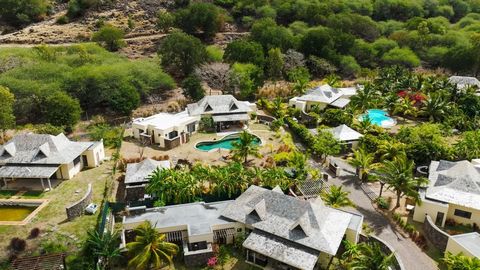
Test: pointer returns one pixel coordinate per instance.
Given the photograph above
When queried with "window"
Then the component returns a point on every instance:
(173, 134)
(461, 213)
(76, 161)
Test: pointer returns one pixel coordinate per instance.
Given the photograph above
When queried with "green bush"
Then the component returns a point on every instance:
(214, 53)
(382, 203)
(112, 136)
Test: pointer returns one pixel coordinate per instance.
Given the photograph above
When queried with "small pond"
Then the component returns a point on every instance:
(15, 212)
(224, 143)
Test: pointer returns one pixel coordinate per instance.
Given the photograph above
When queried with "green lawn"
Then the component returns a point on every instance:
(52, 220)
(235, 261)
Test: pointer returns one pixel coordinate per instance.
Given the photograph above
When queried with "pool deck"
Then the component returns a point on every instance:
(42, 202)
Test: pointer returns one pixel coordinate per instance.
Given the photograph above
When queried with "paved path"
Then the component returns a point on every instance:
(412, 257)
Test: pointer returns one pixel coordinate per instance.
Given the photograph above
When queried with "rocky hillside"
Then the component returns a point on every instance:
(136, 17)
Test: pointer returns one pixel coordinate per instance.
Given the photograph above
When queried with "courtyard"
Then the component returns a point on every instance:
(271, 141)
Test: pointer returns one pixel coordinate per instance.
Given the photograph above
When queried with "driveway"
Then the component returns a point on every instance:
(410, 254)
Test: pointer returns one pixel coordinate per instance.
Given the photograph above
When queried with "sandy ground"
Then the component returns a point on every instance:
(132, 149)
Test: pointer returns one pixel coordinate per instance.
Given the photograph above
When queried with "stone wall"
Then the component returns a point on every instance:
(397, 263)
(200, 259)
(434, 234)
(134, 193)
(77, 209)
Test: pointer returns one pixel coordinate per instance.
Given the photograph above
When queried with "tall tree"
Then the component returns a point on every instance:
(103, 246)
(246, 146)
(398, 174)
(150, 249)
(363, 162)
(182, 52)
(336, 197)
(274, 64)
(7, 118)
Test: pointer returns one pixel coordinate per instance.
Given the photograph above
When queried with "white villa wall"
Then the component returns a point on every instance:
(352, 235)
(294, 102)
(475, 218)
(68, 171)
(431, 208)
(95, 156)
(161, 134)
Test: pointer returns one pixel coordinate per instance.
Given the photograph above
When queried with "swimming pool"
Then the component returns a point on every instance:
(378, 117)
(224, 143)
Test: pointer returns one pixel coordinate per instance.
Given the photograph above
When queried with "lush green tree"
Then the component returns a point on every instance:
(390, 149)
(181, 52)
(300, 77)
(270, 35)
(192, 88)
(371, 257)
(244, 80)
(365, 98)
(165, 20)
(110, 37)
(61, 110)
(244, 51)
(246, 146)
(274, 64)
(398, 174)
(336, 117)
(103, 246)
(468, 147)
(7, 118)
(401, 56)
(336, 197)
(204, 17)
(318, 42)
(150, 248)
(424, 143)
(349, 66)
(325, 144)
(364, 163)
(460, 262)
(397, 9)
(21, 12)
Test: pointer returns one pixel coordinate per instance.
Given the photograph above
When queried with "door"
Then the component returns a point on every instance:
(439, 219)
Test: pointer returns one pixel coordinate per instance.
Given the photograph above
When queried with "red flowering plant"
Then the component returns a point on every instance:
(212, 261)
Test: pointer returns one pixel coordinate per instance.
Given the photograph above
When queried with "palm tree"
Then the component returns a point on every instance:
(336, 197)
(389, 149)
(364, 163)
(104, 247)
(435, 107)
(279, 108)
(461, 262)
(371, 257)
(365, 98)
(150, 248)
(398, 174)
(298, 161)
(365, 125)
(244, 147)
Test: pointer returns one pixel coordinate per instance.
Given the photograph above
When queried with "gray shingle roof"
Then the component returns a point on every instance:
(27, 171)
(198, 217)
(29, 148)
(218, 104)
(282, 250)
(325, 94)
(139, 172)
(308, 223)
(454, 182)
(464, 81)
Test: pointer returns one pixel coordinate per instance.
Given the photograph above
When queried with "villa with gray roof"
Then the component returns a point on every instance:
(44, 157)
(463, 82)
(453, 192)
(282, 232)
(170, 130)
(322, 97)
(136, 177)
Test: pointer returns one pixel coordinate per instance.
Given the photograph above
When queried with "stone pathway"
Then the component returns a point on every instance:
(410, 254)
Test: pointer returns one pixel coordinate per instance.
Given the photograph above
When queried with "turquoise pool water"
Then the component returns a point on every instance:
(225, 143)
(378, 117)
